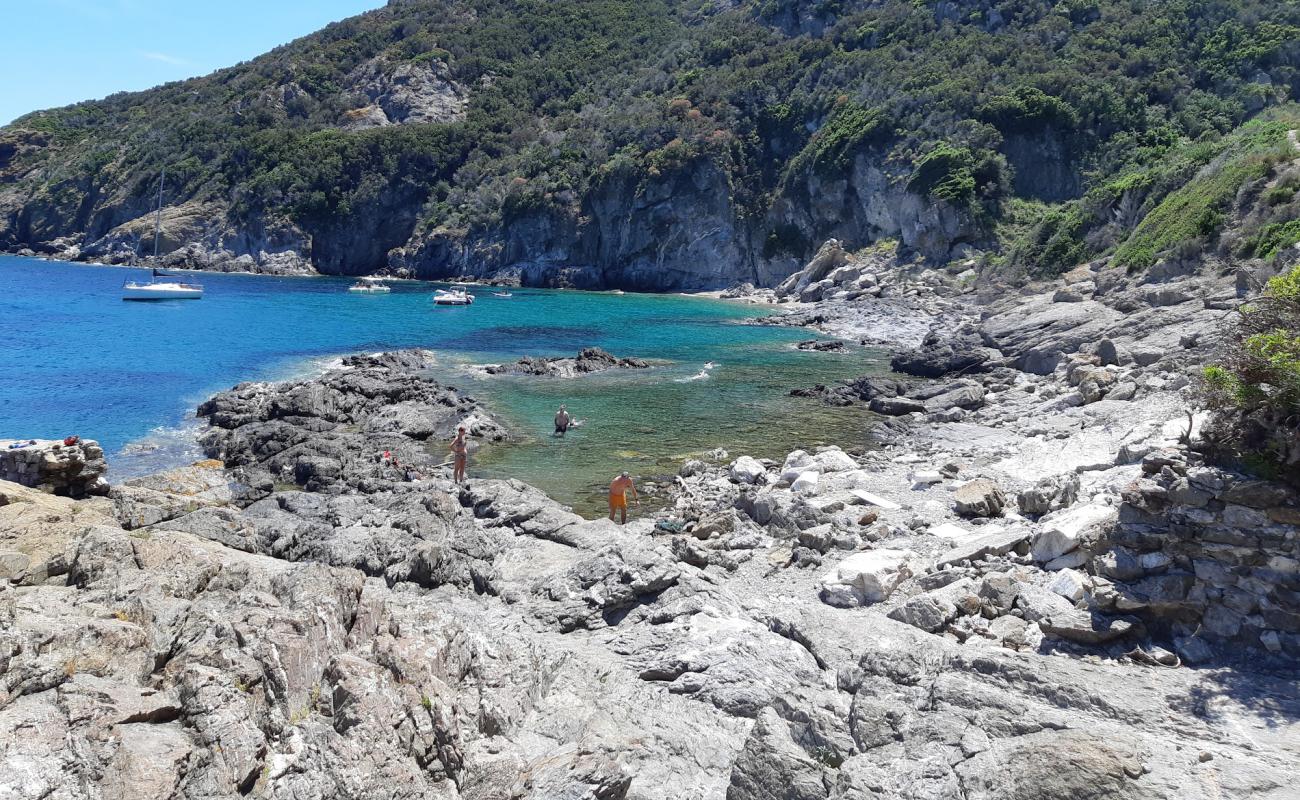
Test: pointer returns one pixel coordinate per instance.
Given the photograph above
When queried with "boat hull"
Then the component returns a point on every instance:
(453, 298)
(161, 292)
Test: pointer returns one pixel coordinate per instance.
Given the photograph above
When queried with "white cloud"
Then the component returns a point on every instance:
(164, 58)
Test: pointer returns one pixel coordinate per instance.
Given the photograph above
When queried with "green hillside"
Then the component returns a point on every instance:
(569, 132)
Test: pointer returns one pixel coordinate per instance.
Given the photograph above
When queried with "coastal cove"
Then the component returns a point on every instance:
(130, 375)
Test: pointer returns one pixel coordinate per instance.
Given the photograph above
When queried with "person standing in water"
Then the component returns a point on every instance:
(562, 421)
(618, 496)
(460, 455)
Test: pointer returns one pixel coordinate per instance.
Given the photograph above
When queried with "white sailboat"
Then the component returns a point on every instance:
(156, 289)
(369, 285)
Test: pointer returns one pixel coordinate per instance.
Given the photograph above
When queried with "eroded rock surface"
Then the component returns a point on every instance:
(211, 632)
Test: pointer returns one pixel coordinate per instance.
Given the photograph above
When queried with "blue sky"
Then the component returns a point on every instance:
(56, 52)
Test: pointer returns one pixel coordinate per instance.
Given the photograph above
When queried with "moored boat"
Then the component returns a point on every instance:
(452, 297)
(155, 289)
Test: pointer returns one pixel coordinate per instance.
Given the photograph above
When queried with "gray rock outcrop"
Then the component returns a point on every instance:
(590, 359)
(408, 93)
(939, 355)
(330, 433)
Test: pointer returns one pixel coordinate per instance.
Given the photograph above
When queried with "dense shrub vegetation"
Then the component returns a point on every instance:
(1255, 392)
(1135, 96)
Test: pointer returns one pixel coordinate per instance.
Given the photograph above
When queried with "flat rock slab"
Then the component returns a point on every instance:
(1085, 628)
(993, 544)
(875, 500)
(955, 534)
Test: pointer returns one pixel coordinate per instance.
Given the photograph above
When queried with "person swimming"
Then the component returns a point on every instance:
(562, 421)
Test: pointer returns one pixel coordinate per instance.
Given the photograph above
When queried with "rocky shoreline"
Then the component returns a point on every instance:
(1031, 589)
(193, 257)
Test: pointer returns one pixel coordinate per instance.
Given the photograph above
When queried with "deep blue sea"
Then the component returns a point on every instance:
(75, 358)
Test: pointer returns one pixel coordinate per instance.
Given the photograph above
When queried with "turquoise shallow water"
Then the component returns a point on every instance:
(75, 358)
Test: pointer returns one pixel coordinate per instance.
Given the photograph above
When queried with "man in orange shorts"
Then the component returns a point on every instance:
(618, 496)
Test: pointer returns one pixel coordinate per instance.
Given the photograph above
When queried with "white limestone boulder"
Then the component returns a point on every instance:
(1062, 532)
(833, 459)
(796, 463)
(828, 460)
(925, 477)
(806, 483)
(747, 470)
(1068, 584)
(865, 578)
(956, 534)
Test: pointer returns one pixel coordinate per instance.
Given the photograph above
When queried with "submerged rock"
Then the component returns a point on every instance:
(822, 346)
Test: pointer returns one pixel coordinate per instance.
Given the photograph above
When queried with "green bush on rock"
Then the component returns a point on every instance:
(1255, 393)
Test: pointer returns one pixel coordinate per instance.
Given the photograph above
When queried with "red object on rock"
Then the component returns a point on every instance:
(71, 440)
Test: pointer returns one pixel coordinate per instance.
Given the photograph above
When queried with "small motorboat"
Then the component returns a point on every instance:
(452, 297)
(502, 294)
(155, 289)
(369, 285)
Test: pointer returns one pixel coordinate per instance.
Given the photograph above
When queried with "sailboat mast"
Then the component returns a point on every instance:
(157, 222)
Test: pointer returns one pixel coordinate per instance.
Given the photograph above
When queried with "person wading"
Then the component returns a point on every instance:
(618, 496)
(460, 454)
(562, 421)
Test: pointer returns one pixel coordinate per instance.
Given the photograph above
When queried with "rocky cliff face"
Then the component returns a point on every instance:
(871, 202)
(1043, 166)
(680, 229)
(404, 94)
(673, 232)
(685, 230)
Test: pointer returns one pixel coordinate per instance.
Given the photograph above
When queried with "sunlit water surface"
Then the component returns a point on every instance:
(75, 358)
